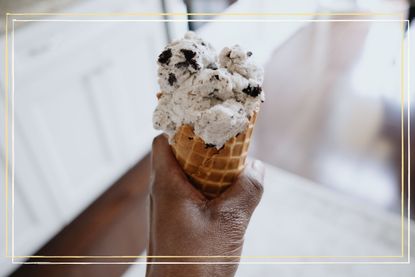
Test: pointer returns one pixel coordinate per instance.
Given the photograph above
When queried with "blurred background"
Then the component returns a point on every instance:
(332, 129)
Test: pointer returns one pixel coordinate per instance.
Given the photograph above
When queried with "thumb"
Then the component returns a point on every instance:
(168, 178)
(246, 192)
(162, 158)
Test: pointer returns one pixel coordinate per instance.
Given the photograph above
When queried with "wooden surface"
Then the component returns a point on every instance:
(115, 224)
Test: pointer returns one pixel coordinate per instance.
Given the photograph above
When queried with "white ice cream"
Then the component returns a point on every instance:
(214, 94)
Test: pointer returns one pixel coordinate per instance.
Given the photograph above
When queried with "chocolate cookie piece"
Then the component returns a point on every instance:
(189, 59)
(164, 57)
(212, 66)
(252, 91)
(209, 145)
(188, 54)
(172, 79)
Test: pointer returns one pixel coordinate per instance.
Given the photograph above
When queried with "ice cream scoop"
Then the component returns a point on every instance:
(215, 94)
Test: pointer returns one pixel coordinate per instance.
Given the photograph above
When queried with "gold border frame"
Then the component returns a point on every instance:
(128, 14)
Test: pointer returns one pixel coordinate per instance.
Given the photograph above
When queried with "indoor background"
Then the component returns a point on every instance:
(77, 120)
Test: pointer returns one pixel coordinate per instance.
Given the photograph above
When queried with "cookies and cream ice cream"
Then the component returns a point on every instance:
(215, 94)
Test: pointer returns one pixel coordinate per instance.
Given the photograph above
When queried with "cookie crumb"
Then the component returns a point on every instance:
(164, 57)
(172, 79)
(252, 91)
(189, 59)
(212, 66)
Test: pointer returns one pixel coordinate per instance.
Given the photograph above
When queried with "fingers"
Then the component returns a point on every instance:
(246, 192)
(167, 176)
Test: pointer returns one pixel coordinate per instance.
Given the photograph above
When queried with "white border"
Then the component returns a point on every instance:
(219, 20)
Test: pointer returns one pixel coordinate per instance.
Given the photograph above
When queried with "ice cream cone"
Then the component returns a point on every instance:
(212, 170)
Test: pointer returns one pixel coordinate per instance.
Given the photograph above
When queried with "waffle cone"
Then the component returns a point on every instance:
(211, 170)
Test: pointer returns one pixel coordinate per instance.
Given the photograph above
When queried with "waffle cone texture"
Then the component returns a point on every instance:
(211, 170)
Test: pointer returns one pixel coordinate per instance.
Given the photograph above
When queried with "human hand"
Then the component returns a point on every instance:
(183, 222)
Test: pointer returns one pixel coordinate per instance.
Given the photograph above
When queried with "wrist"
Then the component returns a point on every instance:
(165, 270)
(193, 270)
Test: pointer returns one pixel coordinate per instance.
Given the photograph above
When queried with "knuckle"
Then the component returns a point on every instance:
(233, 221)
(256, 187)
(232, 215)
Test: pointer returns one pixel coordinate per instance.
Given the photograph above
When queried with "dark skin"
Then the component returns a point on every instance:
(183, 222)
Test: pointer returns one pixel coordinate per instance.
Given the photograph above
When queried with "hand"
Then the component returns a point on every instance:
(185, 223)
